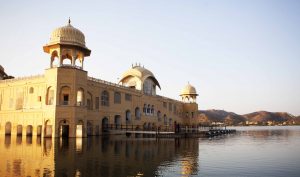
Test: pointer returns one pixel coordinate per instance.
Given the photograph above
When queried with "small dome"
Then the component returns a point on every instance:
(139, 72)
(188, 90)
(67, 35)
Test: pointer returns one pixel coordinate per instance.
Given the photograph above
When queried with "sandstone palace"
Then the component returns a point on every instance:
(66, 102)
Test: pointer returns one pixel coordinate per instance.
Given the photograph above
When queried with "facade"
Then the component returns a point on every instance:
(65, 101)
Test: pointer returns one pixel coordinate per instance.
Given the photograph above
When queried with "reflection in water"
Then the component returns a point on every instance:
(121, 156)
(79, 145)
(251, 152)
(26, 158)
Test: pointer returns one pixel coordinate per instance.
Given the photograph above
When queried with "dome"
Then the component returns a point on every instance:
(188, 90)
(67, 35)
(141, 73)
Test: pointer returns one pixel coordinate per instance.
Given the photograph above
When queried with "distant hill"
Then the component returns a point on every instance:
(256, 118)
(230, 118)
(264, 116)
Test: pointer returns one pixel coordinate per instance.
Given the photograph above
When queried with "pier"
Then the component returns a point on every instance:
(167, 132)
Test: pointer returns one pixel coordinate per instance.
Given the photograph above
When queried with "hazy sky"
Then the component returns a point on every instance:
(241, 56)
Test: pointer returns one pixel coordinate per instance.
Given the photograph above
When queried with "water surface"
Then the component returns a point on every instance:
(252, 151)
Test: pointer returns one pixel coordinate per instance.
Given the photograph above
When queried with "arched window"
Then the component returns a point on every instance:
(105, 98)
(148, 109)
(145, 109)
(105, 125)
(54, 59)
(137, 113)
(50, 96)
(65, 95)
(80, 97)
(165, 119)
(192, 113)
(149, 87)
(31, 90)
(117, 98)
(89, 101)
(128, 116)
(152, 110)
(159, 115)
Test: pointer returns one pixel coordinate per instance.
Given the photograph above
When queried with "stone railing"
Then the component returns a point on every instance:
(112, 84)
(22, 78)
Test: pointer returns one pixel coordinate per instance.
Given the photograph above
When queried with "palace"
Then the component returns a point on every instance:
(65, 101)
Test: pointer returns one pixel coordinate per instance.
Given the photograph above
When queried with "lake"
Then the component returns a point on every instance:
(251, 152)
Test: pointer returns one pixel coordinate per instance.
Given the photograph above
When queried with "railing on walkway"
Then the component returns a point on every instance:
(147, 128)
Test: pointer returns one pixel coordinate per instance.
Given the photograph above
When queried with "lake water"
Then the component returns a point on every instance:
(251, 152)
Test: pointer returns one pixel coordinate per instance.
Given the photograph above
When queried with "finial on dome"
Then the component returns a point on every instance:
(69, 21)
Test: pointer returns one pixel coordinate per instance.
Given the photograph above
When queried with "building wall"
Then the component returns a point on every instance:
(29, 102)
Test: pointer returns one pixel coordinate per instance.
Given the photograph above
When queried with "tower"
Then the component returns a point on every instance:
(67, 90)
(67, 47)
(190, 107)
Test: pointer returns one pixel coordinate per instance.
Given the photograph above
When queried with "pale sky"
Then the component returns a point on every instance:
(241, 56)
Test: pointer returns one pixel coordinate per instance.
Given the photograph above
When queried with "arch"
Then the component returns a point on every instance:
(29, 129)
(39, 130)
(165, 119)
(79, 61)
(117, 121)
(128, 116)
(66, 58)
(65, 92)
(8, 128)
(89, 101)
(89, 127)
(79, 128)
(80, 97)
(19, 130)
(63, 128)
(105, 98)
(54, 59)
(137, 113)
(48, 129)
(50, 96)
(158, 115)
(105, 124)
(145, 109)
(148, 109)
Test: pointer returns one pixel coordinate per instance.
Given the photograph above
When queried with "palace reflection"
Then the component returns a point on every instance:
(96, 156)
(121, 156)
(26, 156)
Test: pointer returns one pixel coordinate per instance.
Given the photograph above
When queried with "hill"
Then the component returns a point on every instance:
(255, 118)
(264, 116)
(221, 116)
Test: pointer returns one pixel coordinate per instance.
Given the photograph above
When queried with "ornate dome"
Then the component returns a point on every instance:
(67, 35)
(141, 73)
(188, 90)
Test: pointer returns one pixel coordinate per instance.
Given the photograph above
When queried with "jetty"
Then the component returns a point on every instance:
(164, 132)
